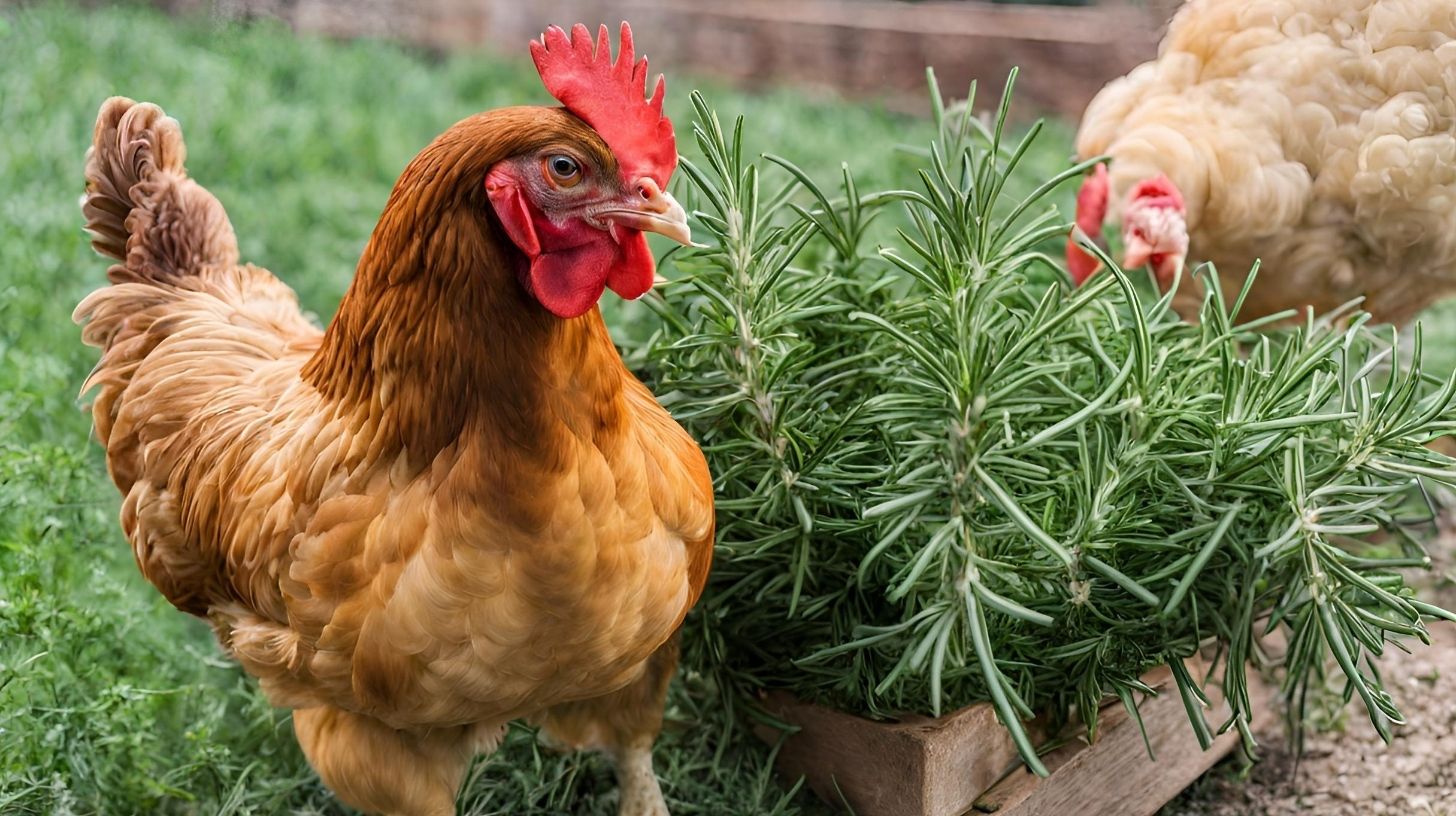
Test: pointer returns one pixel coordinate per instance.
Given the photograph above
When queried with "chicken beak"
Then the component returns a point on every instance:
(651, 209)
(1135, 252)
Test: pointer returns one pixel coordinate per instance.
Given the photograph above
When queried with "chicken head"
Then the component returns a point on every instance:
(578, 214)
(1154, 226)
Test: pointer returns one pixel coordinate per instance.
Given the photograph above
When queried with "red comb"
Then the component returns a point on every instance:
(609, 96)
(1159, 188)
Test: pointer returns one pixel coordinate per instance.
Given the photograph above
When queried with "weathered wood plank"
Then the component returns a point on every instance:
(876, 50)
(909, 768)
(1115, 776)
(965, 760)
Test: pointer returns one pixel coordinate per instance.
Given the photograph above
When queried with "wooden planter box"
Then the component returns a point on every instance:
(964, 762)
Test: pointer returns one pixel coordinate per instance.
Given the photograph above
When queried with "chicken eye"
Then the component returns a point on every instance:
(562, 171)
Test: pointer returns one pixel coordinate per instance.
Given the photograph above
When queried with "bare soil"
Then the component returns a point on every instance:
(1347, 770)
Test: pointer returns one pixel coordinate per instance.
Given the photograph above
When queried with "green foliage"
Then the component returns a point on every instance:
(941, 484)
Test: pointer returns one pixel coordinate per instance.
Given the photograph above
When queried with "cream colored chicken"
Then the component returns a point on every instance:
(1318, 136)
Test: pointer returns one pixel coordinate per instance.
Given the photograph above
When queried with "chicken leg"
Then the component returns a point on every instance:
(623, 725)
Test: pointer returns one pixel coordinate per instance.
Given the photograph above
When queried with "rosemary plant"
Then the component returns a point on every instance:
(941, 484)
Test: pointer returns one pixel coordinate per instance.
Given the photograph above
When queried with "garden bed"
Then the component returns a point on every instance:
(966, 761)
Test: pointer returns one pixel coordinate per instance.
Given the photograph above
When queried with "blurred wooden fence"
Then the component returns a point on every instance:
(863, 48)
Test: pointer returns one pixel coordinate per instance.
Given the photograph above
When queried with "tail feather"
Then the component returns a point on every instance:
(141, 208)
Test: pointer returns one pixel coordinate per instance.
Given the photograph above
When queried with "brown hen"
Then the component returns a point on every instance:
(455, 507)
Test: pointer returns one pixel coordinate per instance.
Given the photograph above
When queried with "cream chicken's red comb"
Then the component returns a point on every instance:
(610, 96)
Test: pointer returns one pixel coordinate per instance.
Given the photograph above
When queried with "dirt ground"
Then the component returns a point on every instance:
(1349, 771)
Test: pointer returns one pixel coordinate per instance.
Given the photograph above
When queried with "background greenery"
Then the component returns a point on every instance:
(110, 701)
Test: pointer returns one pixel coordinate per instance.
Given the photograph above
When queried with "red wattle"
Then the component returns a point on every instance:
(570, 282)
(1080, 263)
(1091, 212)
(1092, 201)
(571, 263)
(635, 270)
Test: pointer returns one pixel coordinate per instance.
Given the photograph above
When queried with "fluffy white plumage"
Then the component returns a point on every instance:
(1316, 135)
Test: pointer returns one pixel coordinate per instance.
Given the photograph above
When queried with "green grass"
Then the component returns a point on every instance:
(110, 700)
